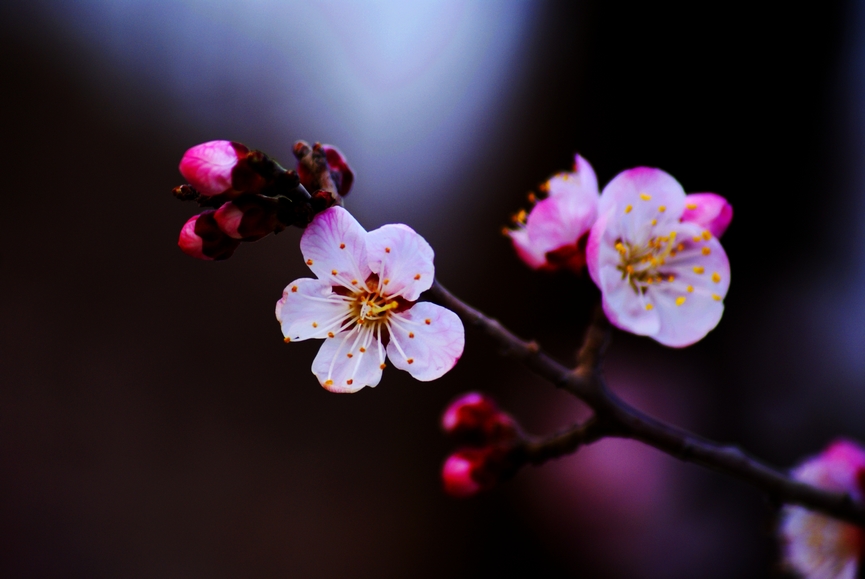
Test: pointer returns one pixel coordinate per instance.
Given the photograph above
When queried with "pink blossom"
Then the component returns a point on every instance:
(208, 167)
(818, 546)
(476, 417)
(708, 210)
(249, 217)
(552, 235)
(659, 276)
(457, 473)
(362, 304)
(202, 238)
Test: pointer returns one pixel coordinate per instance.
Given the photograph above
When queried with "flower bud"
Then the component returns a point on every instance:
(340, 172)
(202, 238)
(323, 167)
(475, 418)
(209, 166)
(249, 217)
(708, 210)
(469, 471)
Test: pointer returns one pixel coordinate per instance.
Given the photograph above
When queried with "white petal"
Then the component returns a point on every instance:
(625, 308)
(340, 365)
(426, 341)
(402, 259)
(336, 242)
(310, 309)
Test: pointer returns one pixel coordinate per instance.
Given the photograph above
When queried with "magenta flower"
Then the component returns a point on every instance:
(208, 167)
(659, 276)
(553, 234)
(708, 210)
(818, 546)
(362, 304)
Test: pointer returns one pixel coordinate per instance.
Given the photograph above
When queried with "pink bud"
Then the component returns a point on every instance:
(249, 217)
(708, 210)
(209, 166)
(340, 172)
(201, 237)
(476, 418)
(457, 473)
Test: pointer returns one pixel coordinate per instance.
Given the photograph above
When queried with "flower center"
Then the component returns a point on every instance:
(641, 265)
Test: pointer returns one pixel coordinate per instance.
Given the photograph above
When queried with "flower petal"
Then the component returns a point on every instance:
(402, 259)
(309, 308)
(559, 221)
(208, 166)
(350, 361)
(530, 254)
(336, 242)
(709, 211)
(426, 341)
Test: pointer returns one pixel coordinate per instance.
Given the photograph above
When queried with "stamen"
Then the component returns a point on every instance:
(362, 349)
(649, 307)
(716, 277)
(427, 321)
(662, 208)
(680, 300)
(645, 197)
(691, 206)
(349, 355)
(333, 272)
(382, 366)
(671, 278)
(342, 246)
(654, 221)
(699, 269)
(416, 276)
(628, 208)
(387, 250)
(410, 360)
(532, 198)
(328, 382)
(349, 381)
(308, 262)
(716, 297)
(330, 334)
(293, 289)
(690, 289)
(697, 239)
(286, 340)
(314, 325)
(707, 235)
(386, 281)
(706, 250)
(411, 335)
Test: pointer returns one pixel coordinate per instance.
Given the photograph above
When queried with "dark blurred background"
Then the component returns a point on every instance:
(154, 424)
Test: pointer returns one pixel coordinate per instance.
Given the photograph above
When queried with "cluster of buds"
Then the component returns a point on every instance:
(490, 442)
(248, 195)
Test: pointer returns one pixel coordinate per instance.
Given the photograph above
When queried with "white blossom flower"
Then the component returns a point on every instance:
(816, 545)
(362, 304)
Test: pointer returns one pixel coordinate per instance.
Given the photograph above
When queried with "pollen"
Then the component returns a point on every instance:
(328, 382)
(645, 197)
(411, 334)
(330, 334)
(387, 250)
(293, 289)
(386, 281)
(416, 276)
(662, 208)
(333, 272)
(362, 349)
(691, 206)
(716, 297)
(654, 221)
(350, 355)
(706, 251)
(690, 289)
(716, 277)
(628, 208)
(314, 325)
(382, 366)
(680, 300)
(699, 269)
(349, 381)
(649, 307)
(342, 246)
(707, 235)
(410, 360)
(286, 340)
(308, 262)
(427, 321)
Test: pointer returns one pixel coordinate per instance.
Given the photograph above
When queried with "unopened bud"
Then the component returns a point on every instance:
(340, 172)
(323, 167)
(249, 217)
(209, 166)
(475, 418)
(202, 238)
(469, 471)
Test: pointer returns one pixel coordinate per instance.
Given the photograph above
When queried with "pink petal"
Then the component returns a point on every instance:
(336, 242)
(337, 163)
(531, 255)
(342, 367)
(228, 217)
(635, 197)
(208, 166)
(556, 222)
(310, 309)
(709, 211)
(402, 259)
(201, 237)
(190, 243)
(625, 308)
(426, 341)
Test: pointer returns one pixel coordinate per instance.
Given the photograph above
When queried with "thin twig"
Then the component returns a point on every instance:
(614, 417)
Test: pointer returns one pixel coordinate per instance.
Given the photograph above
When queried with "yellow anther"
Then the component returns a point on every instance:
(333, 272)
(565, 176)
(690, 289)
(707, 235)
(680, 300)
(427, 321)
(308, 262)
(349, 381)
(330, 334)
(416, 276)
(671, 278)
(386, 281)
(654, 221)
(506, 231)
(716, 277)
(521, 216)
(650, 281)
(294, 288)
(532, 198)
(286, 340)
(350, 355)
(620, 248)
(342, 246)
(697, 239)
(382, 366)
(628, 208)
(314, 325)
(354, 282)
(649, 307)
(328, 382)
(662, 208)
(691, 206)
(699, 269)
(362, 349)
(645, 197)
(706, 250)
(411, 334)
(672, 235)
(680, 247)
(629, 268)
(716, 297)
(410, 360)
(387, 250)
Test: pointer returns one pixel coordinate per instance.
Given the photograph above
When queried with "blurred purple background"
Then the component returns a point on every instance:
(153, 423)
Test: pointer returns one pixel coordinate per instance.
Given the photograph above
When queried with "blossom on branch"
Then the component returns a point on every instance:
(476, 418)
(661, 275)
(210, 167)
(816, 545)
(202, 238)
(553, 234)
(362, 304)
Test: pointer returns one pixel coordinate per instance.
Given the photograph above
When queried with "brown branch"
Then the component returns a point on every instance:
(614, 417)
